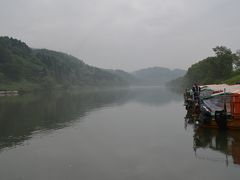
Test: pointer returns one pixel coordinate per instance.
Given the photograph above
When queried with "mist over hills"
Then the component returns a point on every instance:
(26, 69)
(153, 76)
(158, 75)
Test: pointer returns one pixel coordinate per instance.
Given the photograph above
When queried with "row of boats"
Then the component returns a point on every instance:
(215, 105)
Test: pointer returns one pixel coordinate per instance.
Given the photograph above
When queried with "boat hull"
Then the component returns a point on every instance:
(231, 124)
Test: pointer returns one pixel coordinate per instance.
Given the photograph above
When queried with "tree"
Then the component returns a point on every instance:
(222, 51)
(213, 69)
(225, 59)
(236, 61)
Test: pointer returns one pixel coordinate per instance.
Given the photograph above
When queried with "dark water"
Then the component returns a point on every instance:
(130, 134)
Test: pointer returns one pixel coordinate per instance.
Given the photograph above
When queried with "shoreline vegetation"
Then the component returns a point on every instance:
(224, 67)
(24, 69)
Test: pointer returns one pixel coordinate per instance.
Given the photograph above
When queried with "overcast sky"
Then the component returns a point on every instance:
(125, 34)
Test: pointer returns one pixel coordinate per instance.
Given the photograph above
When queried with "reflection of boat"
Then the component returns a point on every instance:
(8, 93)
(225, 142)
(216, 106)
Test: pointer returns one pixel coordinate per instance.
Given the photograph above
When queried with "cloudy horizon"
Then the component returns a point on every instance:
(125, 34)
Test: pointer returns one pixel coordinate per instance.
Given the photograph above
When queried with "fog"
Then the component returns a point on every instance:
(125, 34)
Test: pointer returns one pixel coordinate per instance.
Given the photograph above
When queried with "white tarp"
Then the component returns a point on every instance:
(221, 87)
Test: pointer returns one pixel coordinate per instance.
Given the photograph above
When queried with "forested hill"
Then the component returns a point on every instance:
(24, 68)
(158, 75)
(224, 67)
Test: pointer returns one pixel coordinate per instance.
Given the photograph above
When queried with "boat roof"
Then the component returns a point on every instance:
(223, 87)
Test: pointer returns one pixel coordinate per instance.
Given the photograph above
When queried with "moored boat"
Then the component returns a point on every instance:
(218, 106)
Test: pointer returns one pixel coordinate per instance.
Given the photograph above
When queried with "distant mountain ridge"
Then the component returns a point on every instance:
(158, 75)
(130, 78)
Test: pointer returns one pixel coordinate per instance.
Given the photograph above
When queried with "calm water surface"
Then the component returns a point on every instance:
(131, 134)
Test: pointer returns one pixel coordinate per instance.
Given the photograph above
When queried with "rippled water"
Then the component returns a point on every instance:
(137, 133)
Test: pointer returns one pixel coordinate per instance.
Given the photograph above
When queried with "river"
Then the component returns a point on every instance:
(125, 134)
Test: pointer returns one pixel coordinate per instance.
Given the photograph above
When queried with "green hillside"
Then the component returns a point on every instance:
(224, 67)
(26, 69)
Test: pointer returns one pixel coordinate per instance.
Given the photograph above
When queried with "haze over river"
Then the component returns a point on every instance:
(127, 134)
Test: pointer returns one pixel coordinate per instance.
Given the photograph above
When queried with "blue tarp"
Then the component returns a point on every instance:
(216, 103)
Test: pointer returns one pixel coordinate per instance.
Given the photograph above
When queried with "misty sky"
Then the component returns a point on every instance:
(125, 34)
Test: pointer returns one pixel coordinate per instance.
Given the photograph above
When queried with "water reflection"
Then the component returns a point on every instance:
(23, 116)
(154, 96)
(227, 143)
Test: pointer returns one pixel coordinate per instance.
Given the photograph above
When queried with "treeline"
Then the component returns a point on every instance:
(26, 69)
(224, 67)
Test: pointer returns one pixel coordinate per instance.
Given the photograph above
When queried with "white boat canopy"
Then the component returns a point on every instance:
(222, 87)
